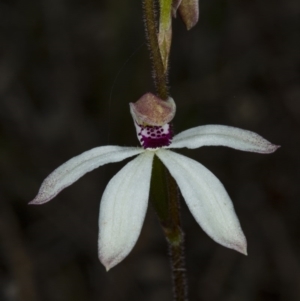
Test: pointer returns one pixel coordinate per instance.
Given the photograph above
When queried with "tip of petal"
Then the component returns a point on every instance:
(242, 249)
(35, 201)
(276, 147)
(32, 203)
(108, 266)
(41, 199)
(240, 246)
(108, 263)
(271, 148)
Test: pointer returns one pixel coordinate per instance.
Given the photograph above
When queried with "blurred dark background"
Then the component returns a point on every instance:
(68, 70)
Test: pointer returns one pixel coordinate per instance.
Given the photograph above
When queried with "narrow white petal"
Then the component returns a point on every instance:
(221, 135)
(75, 168)
(207, 199)
(123, 208)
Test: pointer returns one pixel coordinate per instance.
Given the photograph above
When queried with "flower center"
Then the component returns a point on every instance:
(154, 136)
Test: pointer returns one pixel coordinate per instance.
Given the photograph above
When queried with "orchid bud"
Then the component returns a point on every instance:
(189, 12)
(165, 31)
(153, 111)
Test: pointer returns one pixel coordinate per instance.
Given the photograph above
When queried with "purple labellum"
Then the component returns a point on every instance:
(154, 136)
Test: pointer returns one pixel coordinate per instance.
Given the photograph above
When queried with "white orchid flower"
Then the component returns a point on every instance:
(125, 199)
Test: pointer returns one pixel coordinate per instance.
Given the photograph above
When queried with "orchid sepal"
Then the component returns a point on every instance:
(221, 135)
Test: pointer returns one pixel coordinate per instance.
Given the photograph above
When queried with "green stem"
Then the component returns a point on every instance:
(159, 74)
(164, 191)
(175, 238)
(165, 200)
(178, 270)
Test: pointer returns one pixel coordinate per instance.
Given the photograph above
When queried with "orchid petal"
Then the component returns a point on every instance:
(75, 168)
(207, 200)
(221, 135)
(123, 208)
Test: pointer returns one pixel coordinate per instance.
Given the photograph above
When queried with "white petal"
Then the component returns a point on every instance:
(123, 208)
(221, 135)
(75, 168)
(207, 199)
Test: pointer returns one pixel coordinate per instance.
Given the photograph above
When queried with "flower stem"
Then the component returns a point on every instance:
(164, 191)
(165, 200)
(178, 270)
(175, 238)
(159, 74)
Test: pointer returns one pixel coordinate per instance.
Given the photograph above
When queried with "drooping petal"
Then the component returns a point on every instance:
(75, 168)
(221, 135)
(207, 200)
(123, 208)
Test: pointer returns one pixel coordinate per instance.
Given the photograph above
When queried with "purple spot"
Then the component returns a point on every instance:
(159, 137)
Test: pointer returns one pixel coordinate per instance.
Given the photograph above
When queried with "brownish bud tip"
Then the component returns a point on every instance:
(151, 110)
(189, 12)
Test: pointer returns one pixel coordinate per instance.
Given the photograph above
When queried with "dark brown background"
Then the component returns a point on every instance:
(68, 70)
